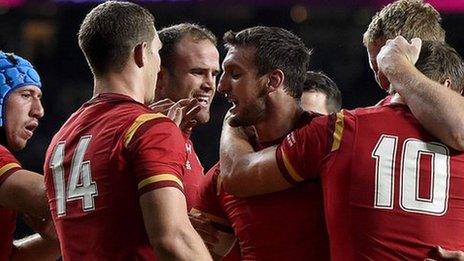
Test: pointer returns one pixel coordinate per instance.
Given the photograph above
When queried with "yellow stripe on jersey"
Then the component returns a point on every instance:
(8, 166)
(159, 178)
(290, 168)
(211, 217)
(137, 123)
(338, 131)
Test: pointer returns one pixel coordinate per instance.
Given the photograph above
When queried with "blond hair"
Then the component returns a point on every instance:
(408, 18)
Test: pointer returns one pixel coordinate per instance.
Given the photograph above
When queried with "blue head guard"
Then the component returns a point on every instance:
(15, 72)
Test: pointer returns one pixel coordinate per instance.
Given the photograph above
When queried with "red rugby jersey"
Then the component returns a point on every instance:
(109, 152)
(287, 225)
(193, 176)
(391, 190)
(8, 166)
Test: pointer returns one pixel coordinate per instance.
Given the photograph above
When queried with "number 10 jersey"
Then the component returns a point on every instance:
(391, 190)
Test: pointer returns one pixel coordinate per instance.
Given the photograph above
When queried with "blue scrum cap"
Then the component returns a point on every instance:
(15, 72)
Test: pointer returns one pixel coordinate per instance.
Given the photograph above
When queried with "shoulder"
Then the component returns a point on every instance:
(145, 123)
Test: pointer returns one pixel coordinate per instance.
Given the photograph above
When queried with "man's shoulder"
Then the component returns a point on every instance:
(5, 151)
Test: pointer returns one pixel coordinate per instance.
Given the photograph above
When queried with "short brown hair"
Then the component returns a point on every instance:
(440, 62)
(275, 48)
(319, 82)
(170, 36)
(408, 18)
(110, 31)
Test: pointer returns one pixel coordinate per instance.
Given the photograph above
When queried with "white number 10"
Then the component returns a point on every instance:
(412, 151)
(80, 184)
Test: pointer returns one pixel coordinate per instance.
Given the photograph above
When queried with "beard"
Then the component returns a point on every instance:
(252, 113)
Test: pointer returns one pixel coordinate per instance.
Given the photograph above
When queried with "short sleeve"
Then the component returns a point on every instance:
(302, 152)
(156, 149)
(8, 164)
(209, 201)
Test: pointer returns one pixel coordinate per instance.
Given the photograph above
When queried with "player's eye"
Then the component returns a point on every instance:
(235, 75)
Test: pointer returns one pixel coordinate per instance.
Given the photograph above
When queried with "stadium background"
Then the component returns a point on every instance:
(45, 33)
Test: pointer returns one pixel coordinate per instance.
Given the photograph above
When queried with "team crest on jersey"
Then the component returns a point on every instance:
(188, 148)
(291, 139)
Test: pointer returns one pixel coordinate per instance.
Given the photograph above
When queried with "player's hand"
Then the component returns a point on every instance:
(396, 53)
(443, 254)
(43, 226)
(161, 106)
(205, 229)
(183, 112)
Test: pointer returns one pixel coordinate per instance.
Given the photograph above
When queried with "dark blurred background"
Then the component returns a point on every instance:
(45, 33)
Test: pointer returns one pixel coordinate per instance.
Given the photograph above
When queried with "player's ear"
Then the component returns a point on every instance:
(447, 83)
(141, 54)
(275, 80)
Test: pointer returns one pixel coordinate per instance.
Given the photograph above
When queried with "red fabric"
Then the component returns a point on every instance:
(287, 225)
(360, 228)
(7, 216)
(194, 175)
(114, 228)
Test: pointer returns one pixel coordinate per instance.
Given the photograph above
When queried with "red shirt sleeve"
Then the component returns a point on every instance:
(209, 201)
(302, 152)
(157, 152)
(8, 164)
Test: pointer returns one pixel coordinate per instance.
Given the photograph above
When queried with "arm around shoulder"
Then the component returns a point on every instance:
(439, 109)
(245, 172)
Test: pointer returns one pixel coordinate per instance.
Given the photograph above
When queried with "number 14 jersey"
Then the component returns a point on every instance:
(109, 152)
(391, 191)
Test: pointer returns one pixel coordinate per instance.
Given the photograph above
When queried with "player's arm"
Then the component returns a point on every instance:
(428, 100)
(24, 191)
(156, 148)
(245, 172)
(209, 218)
(35, 247)
(168, 227)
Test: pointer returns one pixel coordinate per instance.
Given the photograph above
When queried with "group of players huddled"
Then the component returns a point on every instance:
(298, 178)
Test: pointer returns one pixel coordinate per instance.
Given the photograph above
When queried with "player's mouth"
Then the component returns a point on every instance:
(203, 100)
(234, 103)
(30, 127)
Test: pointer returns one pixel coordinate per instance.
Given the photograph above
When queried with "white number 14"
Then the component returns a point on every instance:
(80, 184)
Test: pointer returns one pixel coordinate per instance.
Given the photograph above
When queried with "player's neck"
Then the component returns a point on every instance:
(280, 118)
(119, 83)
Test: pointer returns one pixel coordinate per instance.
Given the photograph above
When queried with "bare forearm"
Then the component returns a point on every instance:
(244, 172)
(234, 143)
(185, 245)
(24, 192)
(35, 248)
(439, 109)
(168, 227)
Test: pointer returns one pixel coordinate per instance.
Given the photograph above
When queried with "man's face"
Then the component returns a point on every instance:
(243, 87)
(372, 50)
(193, 74)
(22, 114)
(153, 67)
(314, 101)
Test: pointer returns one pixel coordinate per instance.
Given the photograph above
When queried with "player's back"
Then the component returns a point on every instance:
(90, 183)
(404, 195)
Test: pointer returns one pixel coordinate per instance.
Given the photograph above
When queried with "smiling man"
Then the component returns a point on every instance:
(189, 66)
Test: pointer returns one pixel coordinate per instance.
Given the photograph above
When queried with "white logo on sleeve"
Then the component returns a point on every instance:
(291, 139)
